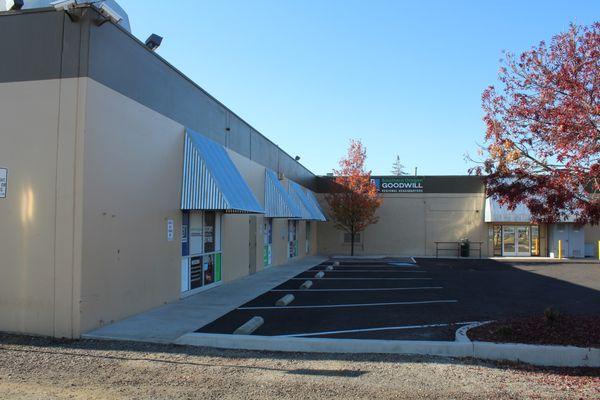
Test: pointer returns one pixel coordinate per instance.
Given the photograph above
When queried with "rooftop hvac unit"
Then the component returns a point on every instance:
(111, 5)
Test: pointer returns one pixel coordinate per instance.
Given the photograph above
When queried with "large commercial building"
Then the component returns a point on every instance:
(124, 185)
(431, 215)
(127, 186)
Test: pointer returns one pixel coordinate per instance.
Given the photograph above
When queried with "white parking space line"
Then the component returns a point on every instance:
(358, 290)
(368, 270)
(365, 279)
(400, 303)
(403, 264)
(390, 265)
(387, 328)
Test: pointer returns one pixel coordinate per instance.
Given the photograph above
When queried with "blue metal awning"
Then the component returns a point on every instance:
(309, 208)
(211, 181)
(278, 203)
(317, 211)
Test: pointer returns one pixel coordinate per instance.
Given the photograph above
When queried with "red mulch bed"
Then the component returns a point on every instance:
(566, 330)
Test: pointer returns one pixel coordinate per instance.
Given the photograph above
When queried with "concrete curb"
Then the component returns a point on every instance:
(541, 355)
(318, 345)
(461, 333)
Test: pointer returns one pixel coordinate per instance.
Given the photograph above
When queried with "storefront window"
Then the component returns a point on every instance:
(308, 237)
(508, 238)
(292, 239)
(267, 242)
(209, 232)
(200, 248)
(497, 240)
(209, 269)
(535, 240)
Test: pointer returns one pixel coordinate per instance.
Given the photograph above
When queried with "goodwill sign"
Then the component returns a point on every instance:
(399, 184)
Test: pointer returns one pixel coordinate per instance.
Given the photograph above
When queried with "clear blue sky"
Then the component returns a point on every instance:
(405, 77)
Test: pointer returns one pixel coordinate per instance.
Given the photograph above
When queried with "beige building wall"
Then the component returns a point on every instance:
(254, 174)
(40, 131)
(592, 237)
(131, 190)
(235, 246)
(238, 229)
(411, 223)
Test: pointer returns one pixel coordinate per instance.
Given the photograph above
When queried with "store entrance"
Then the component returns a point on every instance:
(516, 241)
(201, 250)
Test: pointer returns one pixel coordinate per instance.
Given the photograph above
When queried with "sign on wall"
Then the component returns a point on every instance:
(170, 230)
(3, 182)
(399, 184)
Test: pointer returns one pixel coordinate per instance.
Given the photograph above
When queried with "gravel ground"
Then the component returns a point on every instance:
(38, 368)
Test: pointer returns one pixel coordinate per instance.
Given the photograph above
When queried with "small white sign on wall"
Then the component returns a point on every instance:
(3, 182)
(170, 230)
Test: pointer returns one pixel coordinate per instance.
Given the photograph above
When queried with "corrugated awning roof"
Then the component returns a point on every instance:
(309, 208)
(211, 181)
(278, 202)
(317, 211)
(495, 212)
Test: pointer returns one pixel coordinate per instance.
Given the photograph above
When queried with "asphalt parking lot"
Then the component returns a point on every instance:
(423, 299)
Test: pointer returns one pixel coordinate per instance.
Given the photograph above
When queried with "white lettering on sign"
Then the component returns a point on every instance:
(170, 230)
(3, 182)
(398, 184)
(402, 185)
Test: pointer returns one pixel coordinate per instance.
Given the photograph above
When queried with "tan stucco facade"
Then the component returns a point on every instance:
(93, 179)
(42, 124)
(410, 224)
(131, 189)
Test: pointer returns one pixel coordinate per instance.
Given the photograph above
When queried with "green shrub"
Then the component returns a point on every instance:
(504, 330)
(551, 316)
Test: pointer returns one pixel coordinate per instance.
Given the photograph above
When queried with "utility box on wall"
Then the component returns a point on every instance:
(572, 238)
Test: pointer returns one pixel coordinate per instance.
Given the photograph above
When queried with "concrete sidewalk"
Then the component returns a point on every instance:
(166, 323)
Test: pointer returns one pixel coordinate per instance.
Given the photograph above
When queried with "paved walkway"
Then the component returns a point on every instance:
(166, 323)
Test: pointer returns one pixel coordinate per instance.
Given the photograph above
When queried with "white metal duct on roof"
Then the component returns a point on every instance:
(278, 202)
(30, 4)
(309, 210)
(211, 181)
(495, 212)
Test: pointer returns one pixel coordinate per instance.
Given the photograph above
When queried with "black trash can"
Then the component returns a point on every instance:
(465, 249)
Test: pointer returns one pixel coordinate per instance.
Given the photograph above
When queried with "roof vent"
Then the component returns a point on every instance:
(105, 6)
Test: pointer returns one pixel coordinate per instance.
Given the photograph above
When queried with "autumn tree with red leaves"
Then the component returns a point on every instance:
(543, 129)
(354, 198)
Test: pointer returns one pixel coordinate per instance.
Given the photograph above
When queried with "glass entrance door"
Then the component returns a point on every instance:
(201, 250)
(516, 241)
(523, 245)
(508, 241)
